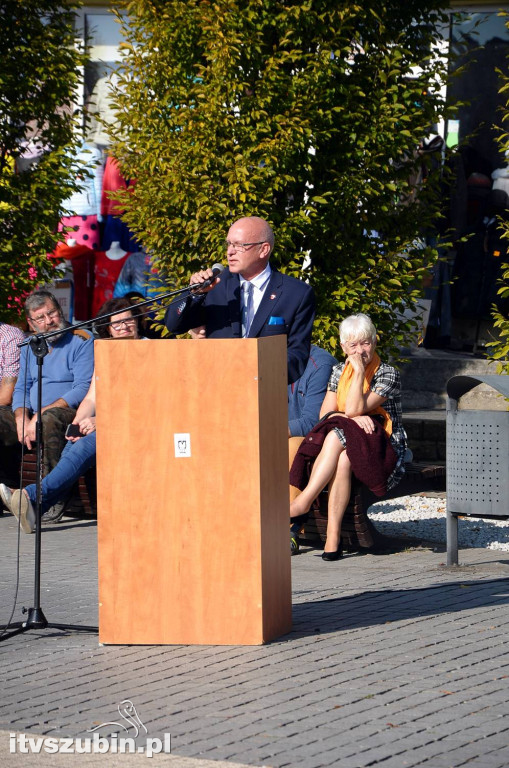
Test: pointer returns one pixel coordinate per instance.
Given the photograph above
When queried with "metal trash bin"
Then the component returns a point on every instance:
(477, 453)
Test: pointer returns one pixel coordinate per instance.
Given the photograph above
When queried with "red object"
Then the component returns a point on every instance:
(106, 272)
(82, 259)
(112, 181)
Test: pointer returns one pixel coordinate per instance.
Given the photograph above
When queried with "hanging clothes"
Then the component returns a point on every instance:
(82, 210)
(82, 260)
(114, 228)
(106, 272)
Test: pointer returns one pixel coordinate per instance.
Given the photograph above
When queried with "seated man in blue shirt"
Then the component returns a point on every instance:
(305, 396)
(66, 374)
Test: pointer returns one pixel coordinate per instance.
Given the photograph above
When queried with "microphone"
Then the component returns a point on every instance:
(216, 270)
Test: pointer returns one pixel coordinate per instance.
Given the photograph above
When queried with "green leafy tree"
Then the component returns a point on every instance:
(306, 113)
(39, 73)
(500, 347)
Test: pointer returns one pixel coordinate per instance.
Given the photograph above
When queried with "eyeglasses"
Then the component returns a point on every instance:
(241, 246)
(45, 317)
(118, 324)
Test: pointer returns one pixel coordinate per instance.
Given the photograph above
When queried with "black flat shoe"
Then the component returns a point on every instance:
(337, 555)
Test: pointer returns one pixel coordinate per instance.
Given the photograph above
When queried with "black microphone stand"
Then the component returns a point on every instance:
(38, 344)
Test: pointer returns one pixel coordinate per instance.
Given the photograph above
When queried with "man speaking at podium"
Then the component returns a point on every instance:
(249, 299)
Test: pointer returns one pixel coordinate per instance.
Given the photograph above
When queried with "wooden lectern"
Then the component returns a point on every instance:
(192, 484)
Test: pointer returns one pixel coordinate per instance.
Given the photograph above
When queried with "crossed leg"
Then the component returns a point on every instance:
(339, 496)
(332, 466)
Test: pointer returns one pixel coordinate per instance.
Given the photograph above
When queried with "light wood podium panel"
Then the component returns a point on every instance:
(193, 549)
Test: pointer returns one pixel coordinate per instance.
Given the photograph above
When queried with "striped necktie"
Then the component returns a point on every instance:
(247, 317)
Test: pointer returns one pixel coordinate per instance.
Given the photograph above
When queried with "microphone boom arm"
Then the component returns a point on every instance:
(85, 323)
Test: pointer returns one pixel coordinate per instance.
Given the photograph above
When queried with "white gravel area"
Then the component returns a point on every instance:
(423, 517)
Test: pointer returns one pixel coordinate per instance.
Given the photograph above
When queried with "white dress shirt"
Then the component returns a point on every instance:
(260, 283)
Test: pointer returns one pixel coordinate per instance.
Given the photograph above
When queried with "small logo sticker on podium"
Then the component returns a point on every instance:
(182, 445)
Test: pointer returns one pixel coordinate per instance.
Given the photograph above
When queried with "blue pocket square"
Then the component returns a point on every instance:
(276, 320)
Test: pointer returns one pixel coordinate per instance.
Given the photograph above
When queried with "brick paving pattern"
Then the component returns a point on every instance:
(394, 660)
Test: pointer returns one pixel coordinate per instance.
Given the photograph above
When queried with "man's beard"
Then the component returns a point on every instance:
(63, 324)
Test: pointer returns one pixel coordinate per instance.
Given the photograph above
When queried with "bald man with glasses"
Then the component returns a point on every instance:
(250, 299)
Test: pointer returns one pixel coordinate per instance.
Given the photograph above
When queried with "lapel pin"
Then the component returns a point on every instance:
(272, 295)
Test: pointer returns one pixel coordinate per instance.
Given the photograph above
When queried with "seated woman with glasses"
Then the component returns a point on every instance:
(124, 325)
(360, 432)
(80, 452)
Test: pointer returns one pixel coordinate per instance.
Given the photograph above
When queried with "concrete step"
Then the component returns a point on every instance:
(424, 378)
(426, 432)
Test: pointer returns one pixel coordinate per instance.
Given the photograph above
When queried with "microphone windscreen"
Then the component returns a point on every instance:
(217, 268)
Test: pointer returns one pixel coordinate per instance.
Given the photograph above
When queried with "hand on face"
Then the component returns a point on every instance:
(359, 354)
(357, 362)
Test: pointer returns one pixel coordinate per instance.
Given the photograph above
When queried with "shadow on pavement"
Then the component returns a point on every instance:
(368, 609)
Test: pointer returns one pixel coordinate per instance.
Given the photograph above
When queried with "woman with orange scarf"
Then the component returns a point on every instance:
(363, 389)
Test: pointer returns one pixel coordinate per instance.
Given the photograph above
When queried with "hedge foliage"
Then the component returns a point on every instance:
(499, 349)
(39, 72)
(306, 113)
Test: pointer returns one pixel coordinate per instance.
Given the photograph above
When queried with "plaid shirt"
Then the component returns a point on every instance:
(387, 383)
(10, 337)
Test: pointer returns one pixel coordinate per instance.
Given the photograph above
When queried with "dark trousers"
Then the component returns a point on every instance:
(54, 424)
(10, 448)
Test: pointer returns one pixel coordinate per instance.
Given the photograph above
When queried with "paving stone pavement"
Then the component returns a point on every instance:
(394, 660)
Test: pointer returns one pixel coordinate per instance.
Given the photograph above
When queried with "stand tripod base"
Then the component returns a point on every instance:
(37, 620)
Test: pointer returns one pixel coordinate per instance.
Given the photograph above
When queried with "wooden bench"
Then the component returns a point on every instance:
(357, 531)
(83, 502)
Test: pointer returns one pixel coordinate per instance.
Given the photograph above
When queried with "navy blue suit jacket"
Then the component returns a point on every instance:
(287, 307)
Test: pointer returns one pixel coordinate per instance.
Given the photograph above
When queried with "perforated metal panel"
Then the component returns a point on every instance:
(478, 463)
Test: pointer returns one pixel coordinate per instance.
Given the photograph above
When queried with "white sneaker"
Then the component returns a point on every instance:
(6, 496)
(22, 508)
